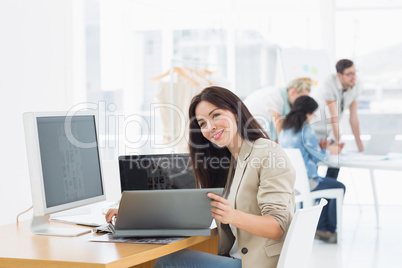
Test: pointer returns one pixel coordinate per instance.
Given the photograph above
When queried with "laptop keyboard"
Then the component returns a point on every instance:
(106, 228)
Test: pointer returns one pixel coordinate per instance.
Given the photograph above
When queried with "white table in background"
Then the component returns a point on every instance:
(370, 162)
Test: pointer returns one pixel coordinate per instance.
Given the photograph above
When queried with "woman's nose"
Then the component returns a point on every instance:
(213, 127)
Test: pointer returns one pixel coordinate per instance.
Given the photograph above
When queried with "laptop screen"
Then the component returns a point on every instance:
(156, 172)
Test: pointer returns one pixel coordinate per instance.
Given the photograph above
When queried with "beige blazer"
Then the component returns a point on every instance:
(263, 184)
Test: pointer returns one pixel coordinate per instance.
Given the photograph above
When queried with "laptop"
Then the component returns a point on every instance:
(184, 212)
(156, 172)
(379, 144)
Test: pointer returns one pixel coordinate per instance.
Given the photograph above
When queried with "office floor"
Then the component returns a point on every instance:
(363, 244)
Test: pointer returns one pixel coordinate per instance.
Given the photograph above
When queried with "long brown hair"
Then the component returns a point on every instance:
(208, 175)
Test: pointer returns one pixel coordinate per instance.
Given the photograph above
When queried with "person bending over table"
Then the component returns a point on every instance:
(297, 133)
(339, 92)
(270, 106)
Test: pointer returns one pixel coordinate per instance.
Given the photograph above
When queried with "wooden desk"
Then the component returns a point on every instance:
(21, 248)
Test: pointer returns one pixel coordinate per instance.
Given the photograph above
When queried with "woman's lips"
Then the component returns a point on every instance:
(218, 135)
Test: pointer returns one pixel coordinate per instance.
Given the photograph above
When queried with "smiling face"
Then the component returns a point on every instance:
(217, 125)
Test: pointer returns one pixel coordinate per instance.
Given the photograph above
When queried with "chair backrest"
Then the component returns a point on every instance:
(302, 184)
(299, 240)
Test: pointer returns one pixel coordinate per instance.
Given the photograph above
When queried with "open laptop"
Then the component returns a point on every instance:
(184, 212)
(379, 144)
(156, 172)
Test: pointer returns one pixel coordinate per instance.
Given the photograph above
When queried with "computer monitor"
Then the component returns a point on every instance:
(64, 166)
(156, 172)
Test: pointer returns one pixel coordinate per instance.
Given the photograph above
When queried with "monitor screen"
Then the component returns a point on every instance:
(64, 163)
(70, 172)
(156, 172)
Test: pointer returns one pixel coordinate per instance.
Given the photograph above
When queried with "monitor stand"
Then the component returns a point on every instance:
(40, 225)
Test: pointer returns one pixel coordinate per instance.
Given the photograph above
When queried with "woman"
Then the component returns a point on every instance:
(297, 133)
(271, 106)
(228, 148)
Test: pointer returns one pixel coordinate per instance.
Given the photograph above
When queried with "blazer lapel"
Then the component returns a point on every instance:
(241, 167)
(229, 178)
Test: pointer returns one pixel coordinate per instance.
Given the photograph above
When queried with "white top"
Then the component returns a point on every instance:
(261, 102)
(234, 252)
(332, 90)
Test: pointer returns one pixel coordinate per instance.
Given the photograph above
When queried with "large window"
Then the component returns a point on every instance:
(363, 33)
(137, 40)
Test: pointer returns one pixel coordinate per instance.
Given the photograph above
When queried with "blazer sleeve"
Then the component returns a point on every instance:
(276, 190)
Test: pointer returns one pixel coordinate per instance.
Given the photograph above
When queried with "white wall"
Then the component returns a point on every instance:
(36, 74)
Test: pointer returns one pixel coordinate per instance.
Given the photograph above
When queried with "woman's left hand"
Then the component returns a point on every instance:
(222, 210)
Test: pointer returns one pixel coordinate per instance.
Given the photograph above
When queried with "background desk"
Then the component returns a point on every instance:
(20, 248)
(393, 163)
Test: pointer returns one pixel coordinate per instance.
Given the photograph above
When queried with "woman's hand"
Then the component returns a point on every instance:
(324, 143)
(264, 226)
(222, 210)
(112, 213)
(341, 145)
(335, 148)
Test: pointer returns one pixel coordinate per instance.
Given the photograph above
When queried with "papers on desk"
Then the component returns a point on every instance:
(142, 240)
(353, 156)
(362, 158)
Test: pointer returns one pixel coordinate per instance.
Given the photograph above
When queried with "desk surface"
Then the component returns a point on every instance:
(21, 248)
(393, 162)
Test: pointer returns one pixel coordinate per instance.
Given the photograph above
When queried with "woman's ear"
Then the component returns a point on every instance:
(292, 91)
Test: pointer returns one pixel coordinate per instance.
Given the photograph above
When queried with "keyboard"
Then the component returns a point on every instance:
(103, 229)
(93, 217)
(93, 220)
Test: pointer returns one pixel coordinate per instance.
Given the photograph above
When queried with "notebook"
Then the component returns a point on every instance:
(380, 144)
(184, 212)
(156, 172)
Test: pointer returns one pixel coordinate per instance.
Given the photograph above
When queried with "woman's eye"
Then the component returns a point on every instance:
(202, 124)
(216, 115)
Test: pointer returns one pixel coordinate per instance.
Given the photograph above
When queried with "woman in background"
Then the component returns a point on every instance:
(270, 106)
(228, 148)
(297, 133)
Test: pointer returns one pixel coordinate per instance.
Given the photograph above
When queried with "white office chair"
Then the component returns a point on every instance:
(302, 186)
(299, 240)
